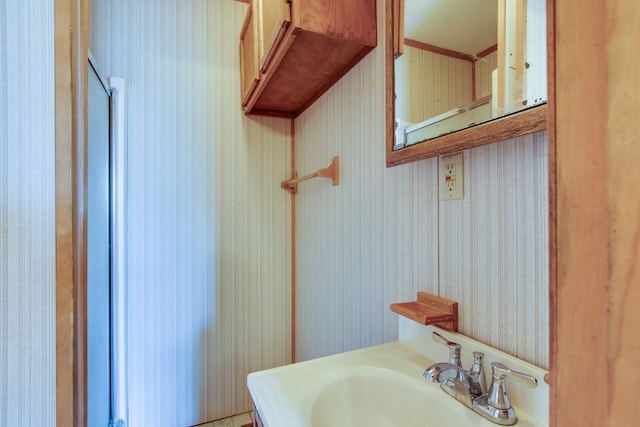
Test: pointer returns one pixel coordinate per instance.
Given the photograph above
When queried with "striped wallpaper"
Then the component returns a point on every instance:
(359, 245)
(27, 215)
(209, 228)
(382, 234)
(494, 247)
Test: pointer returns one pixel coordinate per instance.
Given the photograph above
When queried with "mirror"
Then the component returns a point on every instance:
(463, 73)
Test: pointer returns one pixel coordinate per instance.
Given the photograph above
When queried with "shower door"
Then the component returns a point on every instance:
(99, 336)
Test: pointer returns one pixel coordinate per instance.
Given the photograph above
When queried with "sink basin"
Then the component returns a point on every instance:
(383, 386)
(350, 401)
(372, 397)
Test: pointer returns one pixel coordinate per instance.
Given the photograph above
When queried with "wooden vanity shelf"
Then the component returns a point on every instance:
(430, 310)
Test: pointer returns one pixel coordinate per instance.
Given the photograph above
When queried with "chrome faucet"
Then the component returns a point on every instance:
(470, 387)
(473, 380)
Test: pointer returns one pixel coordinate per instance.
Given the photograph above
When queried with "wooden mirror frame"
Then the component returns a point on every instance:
(528, 121)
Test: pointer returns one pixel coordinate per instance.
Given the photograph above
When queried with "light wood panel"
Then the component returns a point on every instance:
(65, 302)
(623, 182)
(580, 140)
(71, 54)
(597, 215)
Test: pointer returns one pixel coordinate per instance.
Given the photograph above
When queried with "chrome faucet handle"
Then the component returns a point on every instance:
(495, 405)
(476, 373)
(454, 348)
(501, 370)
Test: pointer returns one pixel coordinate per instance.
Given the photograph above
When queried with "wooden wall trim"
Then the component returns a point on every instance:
(439, 50)
(551, 153)
(65, 363)
(451, 53)
(488, 51)
(525, 122)
(293, 244)
(580, 144)
(71, 58)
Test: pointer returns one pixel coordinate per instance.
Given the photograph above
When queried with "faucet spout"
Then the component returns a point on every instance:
(440, 372)
(464, 385)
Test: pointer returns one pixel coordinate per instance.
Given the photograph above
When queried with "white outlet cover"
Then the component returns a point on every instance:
(451, 177)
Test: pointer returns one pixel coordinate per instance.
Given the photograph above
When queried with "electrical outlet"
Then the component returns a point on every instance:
(452, 177)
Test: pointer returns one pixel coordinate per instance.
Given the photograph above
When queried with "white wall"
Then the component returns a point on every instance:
(382, 234)
(209, 228)
(27, 215)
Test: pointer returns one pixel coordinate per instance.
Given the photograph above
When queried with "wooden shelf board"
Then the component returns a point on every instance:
(430, 310)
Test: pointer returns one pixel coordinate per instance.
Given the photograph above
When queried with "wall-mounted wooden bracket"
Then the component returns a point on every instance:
(332, 171)
(430, 310)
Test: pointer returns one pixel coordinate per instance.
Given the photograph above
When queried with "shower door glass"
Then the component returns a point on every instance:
(99, 387)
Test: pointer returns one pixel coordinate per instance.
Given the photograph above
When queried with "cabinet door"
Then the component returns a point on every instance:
(249, 60)
(275, 17)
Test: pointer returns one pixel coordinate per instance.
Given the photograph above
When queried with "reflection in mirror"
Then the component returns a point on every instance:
(466, 62)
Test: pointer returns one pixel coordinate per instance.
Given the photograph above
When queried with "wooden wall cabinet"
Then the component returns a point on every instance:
(293, 51)
(249, 61)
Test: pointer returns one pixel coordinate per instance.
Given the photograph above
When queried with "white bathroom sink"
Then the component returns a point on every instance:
(384, 386)
(372, 397)
(369, 400)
